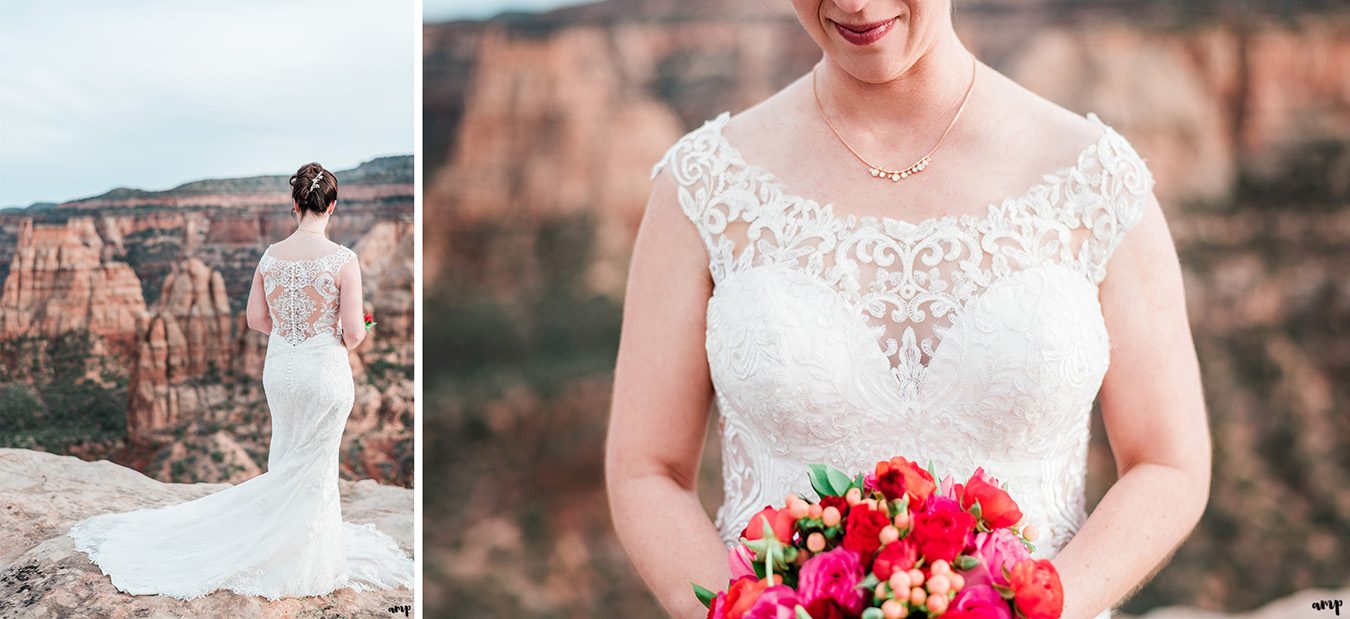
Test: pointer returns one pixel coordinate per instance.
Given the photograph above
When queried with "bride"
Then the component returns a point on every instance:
(280, 534)
(904, 252)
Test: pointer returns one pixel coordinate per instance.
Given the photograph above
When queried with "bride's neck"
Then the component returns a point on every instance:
(926, 94)
(312, 225)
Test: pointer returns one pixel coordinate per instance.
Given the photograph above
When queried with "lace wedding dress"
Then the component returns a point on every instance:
(965, 340)
(280, 534)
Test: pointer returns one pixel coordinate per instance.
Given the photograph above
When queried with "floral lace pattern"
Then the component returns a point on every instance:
(964, 340)
(302, 295)
(279, 534)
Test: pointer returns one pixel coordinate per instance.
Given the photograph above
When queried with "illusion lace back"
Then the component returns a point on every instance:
(280, 534)
(966, 340)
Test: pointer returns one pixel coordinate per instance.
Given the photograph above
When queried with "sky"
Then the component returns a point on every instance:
(151, 94)
(446, 10)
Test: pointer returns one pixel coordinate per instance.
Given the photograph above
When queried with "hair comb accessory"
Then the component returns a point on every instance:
(317, 178)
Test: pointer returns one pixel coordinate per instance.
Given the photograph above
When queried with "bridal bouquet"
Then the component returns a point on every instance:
(889, 544)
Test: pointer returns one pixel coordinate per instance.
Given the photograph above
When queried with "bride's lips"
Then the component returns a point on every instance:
(865, 34)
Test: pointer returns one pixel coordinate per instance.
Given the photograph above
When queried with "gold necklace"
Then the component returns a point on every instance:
(918, 166)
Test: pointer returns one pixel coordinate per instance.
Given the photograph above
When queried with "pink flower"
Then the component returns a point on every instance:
(947, 489)
(777, 602)
(834, 576)
(979, 602)
(995, 551)
(741, 561)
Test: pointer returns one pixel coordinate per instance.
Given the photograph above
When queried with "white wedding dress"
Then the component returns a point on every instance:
(280, 534)
(966, 340)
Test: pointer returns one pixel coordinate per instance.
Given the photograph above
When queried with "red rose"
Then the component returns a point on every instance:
(1037, 592)
(941, 529)
(898, 477)
(862, 531)
(824, 608)
(742, 594)
(780, 520)
(897, 556)
(997, 509)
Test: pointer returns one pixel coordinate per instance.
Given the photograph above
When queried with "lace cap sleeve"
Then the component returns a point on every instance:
(1125, 186)
(696, 163)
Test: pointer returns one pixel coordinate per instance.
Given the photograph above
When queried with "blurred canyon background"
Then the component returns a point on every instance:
(540, 133)
(122, 331)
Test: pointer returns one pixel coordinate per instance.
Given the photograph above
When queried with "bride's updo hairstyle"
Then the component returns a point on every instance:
(314, 189)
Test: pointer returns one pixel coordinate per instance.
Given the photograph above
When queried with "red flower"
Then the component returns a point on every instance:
(941, 529)
(780, 520)
(897, 477)
(741, 595)
(978, 602)
(369, 317)
(1037, 592)
(897, 556)
(997, 509)
(823, 608)
(862, 531)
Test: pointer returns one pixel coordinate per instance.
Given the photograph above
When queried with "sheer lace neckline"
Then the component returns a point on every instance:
(340, 250)
(1048, 183)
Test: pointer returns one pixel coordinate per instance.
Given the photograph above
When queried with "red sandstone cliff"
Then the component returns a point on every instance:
(61, 281)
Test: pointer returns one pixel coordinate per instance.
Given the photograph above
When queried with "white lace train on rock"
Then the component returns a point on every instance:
(967, 340)
(279, 534)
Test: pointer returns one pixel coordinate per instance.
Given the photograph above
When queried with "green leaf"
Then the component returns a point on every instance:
(967, 562)
(705, 595)
(1004, 591)
(873, 613)
(820, 480)
(858, 482)
(839, 481)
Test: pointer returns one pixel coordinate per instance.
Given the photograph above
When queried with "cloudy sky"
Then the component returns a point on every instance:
(444, 10)
(150, 94)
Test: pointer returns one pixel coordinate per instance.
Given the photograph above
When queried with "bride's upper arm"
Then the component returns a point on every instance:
(1152, 401)
(662, 389)
(351, 307)
(255, 313)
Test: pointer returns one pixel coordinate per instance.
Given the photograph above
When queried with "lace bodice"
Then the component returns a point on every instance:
(965, 340)
(302, 295)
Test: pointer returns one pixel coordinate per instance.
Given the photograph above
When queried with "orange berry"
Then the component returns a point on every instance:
(1031, 533)
(881, 591)
(815, 542)
(889, 534)
(831, 516)
(939, 584)
(941, 566)
(902, 520)
(899, 581)
(799, 509)
(853, 496)
(937, 605)
(917, 596)
(958, 581)
(915, 577)
(815, 510)
(894, 609)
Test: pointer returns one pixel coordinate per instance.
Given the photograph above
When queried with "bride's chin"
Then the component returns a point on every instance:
(875, 71)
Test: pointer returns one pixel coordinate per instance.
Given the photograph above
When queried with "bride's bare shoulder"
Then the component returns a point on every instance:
(1022, 119)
